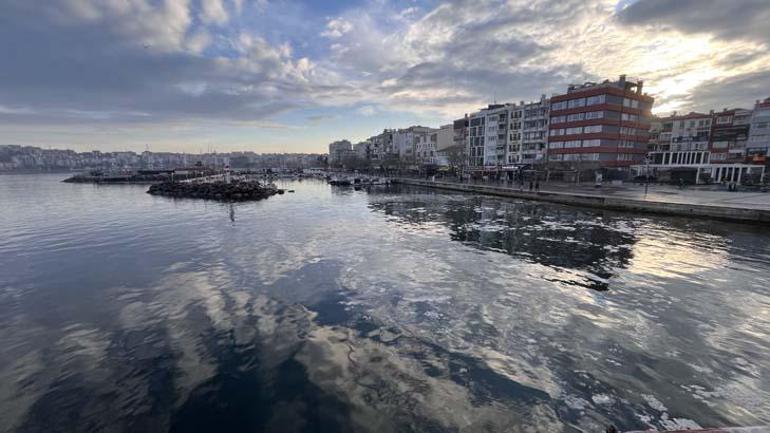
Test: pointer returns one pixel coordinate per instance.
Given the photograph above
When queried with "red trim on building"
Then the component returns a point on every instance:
(599, 135)
(598, 149)
(600, 90)
(603, 121)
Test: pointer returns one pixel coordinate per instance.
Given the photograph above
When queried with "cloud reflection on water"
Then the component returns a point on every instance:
(383, 311)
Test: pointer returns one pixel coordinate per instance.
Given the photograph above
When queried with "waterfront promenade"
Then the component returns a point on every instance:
(661, 199)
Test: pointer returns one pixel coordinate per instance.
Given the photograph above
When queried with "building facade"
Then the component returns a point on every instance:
(414, 145)
(381, 146)
(600, 125)
(426, 146)
(445, 144)
(362, 150)
(729, 135)
(488, 136)
(338, 150)
(701, 147)
(533, 135)
(682, 140)
(758, 145)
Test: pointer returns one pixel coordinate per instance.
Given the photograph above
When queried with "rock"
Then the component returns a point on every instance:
(235, 191)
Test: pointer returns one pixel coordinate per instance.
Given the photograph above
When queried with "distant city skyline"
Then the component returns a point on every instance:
(289, 76)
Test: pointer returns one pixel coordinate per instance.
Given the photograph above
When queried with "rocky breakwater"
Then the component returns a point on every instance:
(234, 191)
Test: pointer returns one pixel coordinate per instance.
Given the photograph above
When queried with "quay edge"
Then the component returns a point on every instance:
(724, 213)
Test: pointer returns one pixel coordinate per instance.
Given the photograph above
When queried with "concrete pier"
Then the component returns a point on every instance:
(657, 203)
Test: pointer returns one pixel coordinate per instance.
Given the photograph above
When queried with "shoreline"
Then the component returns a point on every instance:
(724, 213)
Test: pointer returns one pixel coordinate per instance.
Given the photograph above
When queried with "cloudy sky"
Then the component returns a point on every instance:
(272, 75)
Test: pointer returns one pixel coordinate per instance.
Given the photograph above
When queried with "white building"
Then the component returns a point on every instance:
(488, 136)
(503, 135)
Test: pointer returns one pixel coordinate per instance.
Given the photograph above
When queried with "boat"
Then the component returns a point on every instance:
(340, 181)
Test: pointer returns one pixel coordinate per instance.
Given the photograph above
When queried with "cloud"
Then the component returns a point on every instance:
(337, 27)
(213, 12)
(746, 19)
(734, 92)
(367, 110)
(87, 56)
(238, 62)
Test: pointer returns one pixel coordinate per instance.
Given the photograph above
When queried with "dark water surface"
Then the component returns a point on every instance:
(334, 310)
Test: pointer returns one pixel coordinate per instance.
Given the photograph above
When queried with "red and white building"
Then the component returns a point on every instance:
(600, 125)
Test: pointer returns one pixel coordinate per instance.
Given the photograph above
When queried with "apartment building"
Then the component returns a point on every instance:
(488, 136)
(682, 140)
(533, 134)
(381, 145)
(426, 146)
(445, 143)
(338, 150)
(729, 135)
(758, 145)
(698, 147)
(415, 144)
(600, 125)
(362, 150)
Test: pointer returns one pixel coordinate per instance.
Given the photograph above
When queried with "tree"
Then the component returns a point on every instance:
(455, 156)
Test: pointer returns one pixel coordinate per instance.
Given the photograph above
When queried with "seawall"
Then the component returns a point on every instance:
(725, 213)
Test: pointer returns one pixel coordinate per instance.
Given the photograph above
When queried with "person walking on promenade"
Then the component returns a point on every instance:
(530, 185)
(537, 185)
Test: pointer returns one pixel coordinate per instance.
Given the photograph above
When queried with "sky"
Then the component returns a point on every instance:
(292, 76)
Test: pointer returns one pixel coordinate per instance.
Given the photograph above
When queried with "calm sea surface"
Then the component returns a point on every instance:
(392, 310)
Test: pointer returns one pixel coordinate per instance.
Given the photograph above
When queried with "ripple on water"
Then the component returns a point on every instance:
(388, 310)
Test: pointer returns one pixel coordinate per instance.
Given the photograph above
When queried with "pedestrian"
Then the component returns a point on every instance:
(537, 185)
(530, 185)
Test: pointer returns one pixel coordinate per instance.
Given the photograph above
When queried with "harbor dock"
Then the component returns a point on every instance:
(722, 205)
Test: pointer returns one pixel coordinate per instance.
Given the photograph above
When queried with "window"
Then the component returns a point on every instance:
(557, 132)
(572, 143)
(592, 143)
(633, 103)
(556, 145)
(574, 103)
(578, 130)
(593, 100)
(594, 115)
(624, 130)
(630, 117)
(558, 119)
(576, 117)
(592, 129)
(559, 105)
